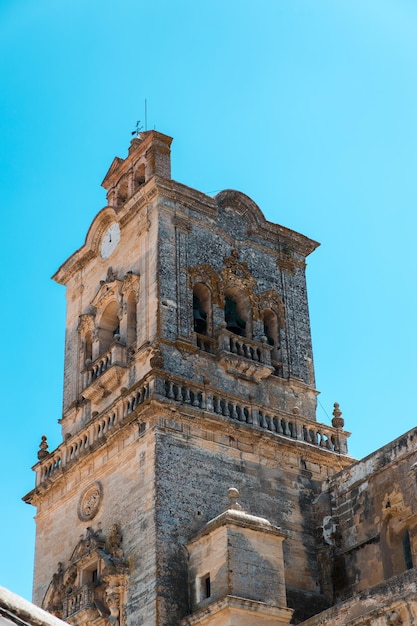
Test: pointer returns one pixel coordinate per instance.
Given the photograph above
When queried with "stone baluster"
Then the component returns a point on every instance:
(209, 401)
(216, 405)
(170, 393)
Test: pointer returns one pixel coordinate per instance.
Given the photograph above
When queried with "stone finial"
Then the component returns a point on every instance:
(337, 421)
(233, 495)
(43, 452)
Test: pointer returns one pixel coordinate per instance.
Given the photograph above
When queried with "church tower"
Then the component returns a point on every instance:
(188, 372)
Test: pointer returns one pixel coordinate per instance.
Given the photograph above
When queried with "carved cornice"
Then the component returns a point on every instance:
(187, 197)
(182, 223)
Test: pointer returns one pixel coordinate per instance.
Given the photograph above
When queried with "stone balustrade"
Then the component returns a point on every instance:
(294, 426)
(116, 354)
(260, 352)
(205, 343)
(80, 599)
(76, 446)
(278, 422)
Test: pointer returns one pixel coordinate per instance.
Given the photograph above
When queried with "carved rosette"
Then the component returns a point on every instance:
(90, 501)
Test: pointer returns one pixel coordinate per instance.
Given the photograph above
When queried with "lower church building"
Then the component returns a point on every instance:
(194, 485)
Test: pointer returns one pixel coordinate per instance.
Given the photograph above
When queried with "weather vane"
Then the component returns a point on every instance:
(137, 129)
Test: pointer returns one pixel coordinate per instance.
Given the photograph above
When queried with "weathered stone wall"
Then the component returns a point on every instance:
(125, 469)
(195, 465)
(369, 521)
(216, 246)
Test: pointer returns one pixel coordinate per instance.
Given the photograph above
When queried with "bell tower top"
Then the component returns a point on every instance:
(149, 155)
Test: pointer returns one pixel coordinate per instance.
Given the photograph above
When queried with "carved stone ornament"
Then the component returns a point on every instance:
(271, 300)
(130, 283)
(236, 274)
(74, 596)
(90, 501)
(86, 323)
(206, 274)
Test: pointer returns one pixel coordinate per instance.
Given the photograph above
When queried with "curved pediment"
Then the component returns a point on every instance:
(101, 222)
(253, 222)
(240, 203)
(91, 247)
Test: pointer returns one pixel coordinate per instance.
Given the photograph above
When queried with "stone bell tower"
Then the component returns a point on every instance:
(188, 370)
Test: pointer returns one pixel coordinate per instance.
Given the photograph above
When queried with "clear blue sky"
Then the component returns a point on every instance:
(307, 106)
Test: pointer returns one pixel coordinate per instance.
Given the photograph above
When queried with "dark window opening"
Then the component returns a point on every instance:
(208, 587)
(205, 587)
(268, 335)
(408, 557)
(199, 316)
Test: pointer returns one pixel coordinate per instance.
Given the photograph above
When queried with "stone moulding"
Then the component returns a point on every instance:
(231, 609)
(192, 397)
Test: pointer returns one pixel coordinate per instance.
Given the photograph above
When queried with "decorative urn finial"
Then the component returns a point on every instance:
(337, 421)
(43, 451)
(233, 495)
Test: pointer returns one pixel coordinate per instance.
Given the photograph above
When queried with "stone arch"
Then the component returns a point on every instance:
(108, 326)
(122, 191)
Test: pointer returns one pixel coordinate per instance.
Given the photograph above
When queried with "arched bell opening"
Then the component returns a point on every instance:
(122, 191)
(271, 331)
(201, 309)
(237, 313)
(131, 319)
(108, 327)
(139, 177)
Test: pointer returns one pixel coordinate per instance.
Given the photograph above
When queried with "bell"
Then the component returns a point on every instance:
(234, 323)
(199, 315)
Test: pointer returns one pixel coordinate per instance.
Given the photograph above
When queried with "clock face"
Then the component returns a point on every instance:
(110, 240)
